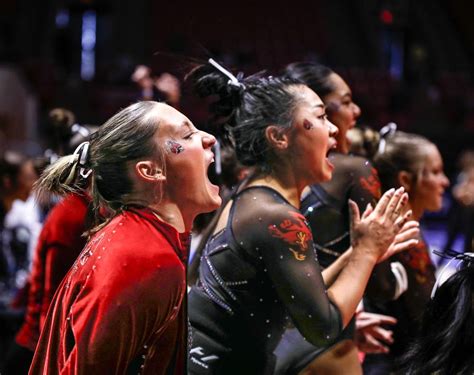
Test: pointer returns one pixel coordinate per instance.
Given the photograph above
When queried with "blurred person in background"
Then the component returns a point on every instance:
(17, 175)
(165, 87)
(461, 213)
(411, 161)
(60, 242)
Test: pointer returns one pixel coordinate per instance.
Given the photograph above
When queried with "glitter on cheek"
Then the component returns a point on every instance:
(307, 124)
(174, 147)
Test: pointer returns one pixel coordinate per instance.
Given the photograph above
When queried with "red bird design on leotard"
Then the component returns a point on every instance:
(371, 183)
(419, 260)
(294, 232)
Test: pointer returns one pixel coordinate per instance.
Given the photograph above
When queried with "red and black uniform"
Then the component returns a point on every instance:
(256, 276)
(120, 308)
(326, 208)
(407, 309)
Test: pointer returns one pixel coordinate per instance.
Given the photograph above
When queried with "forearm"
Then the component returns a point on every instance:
(347, 290)
(331, 273)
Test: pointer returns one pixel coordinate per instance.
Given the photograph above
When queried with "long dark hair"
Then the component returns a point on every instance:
(446, 340)
(315, 76)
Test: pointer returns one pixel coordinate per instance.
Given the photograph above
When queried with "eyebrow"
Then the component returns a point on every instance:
(186, 124)
(316, 106)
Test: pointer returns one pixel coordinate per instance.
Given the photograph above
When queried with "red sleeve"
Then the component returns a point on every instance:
(365, 186)
(59, 244)
(109, 326)
(57, 263)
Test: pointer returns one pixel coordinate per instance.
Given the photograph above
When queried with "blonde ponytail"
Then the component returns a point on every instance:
(58, 179)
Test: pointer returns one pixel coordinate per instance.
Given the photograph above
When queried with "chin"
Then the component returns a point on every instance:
(435, 207)
(326, 174)
(216, 203)
(213, 202)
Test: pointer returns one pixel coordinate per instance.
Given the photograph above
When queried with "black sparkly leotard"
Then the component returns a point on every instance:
(326, 208)
(256, 275)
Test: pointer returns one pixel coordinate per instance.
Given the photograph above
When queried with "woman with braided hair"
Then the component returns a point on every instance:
(120, 307)
(259, 270)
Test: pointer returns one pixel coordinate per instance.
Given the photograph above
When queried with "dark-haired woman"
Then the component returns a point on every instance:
(120, 308)
(17, 174)
(326, 207)
(59, 243)
(259, 270)
(446, 338)
(411, 161)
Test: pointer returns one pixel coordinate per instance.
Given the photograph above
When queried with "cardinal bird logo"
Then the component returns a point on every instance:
(371, 183)
(294, 232)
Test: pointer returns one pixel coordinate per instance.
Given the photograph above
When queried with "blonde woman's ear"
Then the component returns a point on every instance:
(148, 170)
(405, 179)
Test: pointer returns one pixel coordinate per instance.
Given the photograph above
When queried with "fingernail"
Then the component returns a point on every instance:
(390, 191)
(409, 213)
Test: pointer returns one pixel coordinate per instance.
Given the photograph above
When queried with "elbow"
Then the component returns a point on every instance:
(322, 332)
(322, 337)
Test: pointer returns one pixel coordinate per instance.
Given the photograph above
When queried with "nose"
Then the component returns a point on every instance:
(445, 181)
(356, 110)
(333, 129)
(208, 140)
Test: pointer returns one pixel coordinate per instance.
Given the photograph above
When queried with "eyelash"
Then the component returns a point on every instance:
(323, 117)
(347, 102)
(190, 135)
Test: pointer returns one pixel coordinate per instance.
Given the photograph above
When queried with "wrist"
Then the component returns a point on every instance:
(365, 254)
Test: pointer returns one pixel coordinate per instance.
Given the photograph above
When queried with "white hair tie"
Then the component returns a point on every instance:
(387, 131)
(233, 81)
(82, 152)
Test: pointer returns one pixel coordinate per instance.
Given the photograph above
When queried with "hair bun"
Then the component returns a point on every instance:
(207, 80)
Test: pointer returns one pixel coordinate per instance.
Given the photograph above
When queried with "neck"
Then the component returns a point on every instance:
(283, 182)
(170, 213)
(165, 208)
(417, 211)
